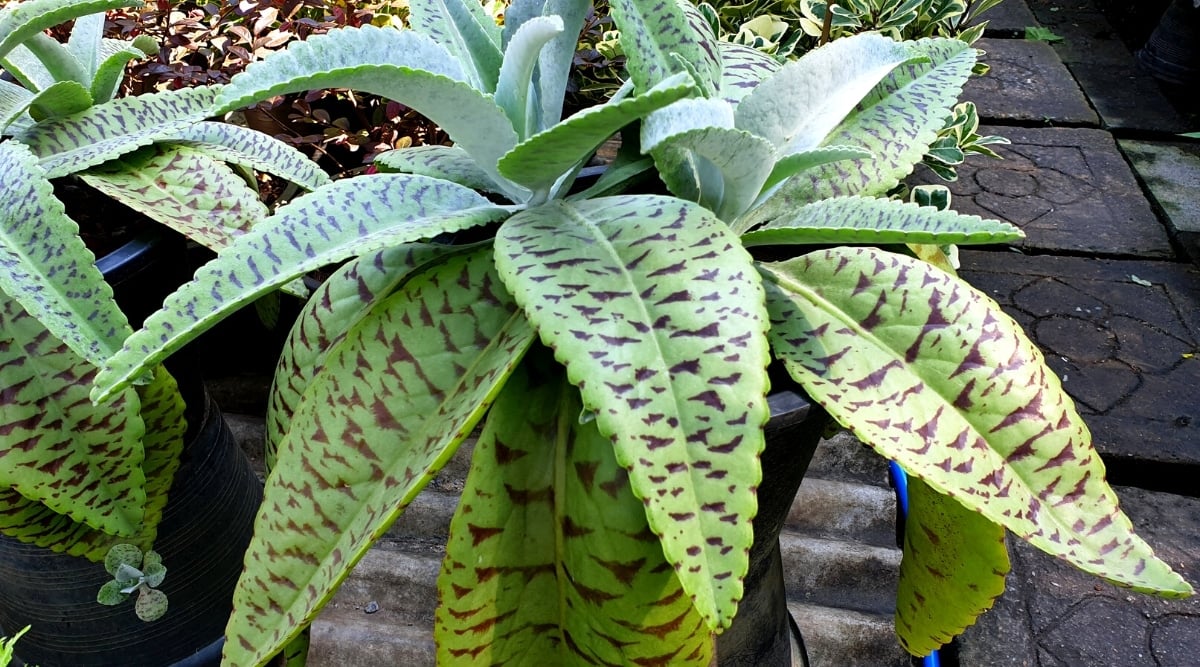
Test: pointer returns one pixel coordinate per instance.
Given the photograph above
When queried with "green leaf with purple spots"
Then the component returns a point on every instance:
(657, 313)
(45, 265)
(341, 220)
(448, 163)
(341, 301)
(185, 190)
(952, 570)
(868, 220)
(19, 21)
(401, 65)
(250, 148)
(410, 381)
(662, 38)
(55, 446)
(932, 374)
(106, 131)
(550, 560)
(31, 521)
(921, 92)
(743, 68)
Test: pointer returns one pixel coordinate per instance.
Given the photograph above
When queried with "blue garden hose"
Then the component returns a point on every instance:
(899, 480)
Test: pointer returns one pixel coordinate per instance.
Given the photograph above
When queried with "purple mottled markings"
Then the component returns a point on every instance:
(341, 476)
(676, 404)
(240, 145)
(950, 387)
(109, 130)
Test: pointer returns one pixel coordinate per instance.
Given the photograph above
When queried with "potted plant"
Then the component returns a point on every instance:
(76, 479)
(615, 346)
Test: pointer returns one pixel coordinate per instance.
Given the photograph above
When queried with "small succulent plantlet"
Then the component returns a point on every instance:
(132, 572)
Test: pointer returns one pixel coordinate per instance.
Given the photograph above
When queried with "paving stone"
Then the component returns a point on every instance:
(1171, 173)
(1069, 189)
(1124, 350)
(1027, 82)
(1053, 615)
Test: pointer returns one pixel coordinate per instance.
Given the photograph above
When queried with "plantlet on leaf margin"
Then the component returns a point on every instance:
(134, 571)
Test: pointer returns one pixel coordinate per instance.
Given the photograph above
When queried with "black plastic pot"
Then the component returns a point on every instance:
(204, 533)
(763, 633)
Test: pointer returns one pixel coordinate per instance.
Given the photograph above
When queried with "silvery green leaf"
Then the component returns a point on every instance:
(744, 68)
(250, 148)
(540, 161)
(114, 55)
(25, 67)
(798, 162)
(14, 100)
(127, 574)
(742, 163)
(659, 36)
(448, 163)
(346, 218)
(21, 20)
(105, 131)
(798, 106)
(84, 43)
(60, 99)
(514, 91)
(464, 29)
(155, 574)
(54, 57)
(867, 220)
(401, 65)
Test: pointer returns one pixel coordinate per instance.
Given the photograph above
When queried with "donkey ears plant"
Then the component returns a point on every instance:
(643, 324)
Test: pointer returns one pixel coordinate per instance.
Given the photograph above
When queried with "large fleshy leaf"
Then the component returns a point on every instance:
(60, 99)
(46, 267)
(540, 161)
(21, 20)
(514, 92)
(879, 221)
(106, 131)
(656, 312)
(409, 382)
(33, 522)
(556, 58)
(114, 55)
(341, 301)
(251, 148)
(743, 69)
(952, 570)
(23, 65)
(662, 38)
(464, 29)
(55, 446)
(932, 374)
(448, 163)
(798, 106)
(797, 162)
(401, 65)
(341, 220)
(185, 190)
(550, 560)
(14, 100)
(922, 93)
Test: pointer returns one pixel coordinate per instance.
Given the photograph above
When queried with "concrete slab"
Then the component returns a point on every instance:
(1027, 82)
(1128, 352)
(1127, 99)
(1010, 16)
(1171, 172)
(1052, 615)
(1069, 189)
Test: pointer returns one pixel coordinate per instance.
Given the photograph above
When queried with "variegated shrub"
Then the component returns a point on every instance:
(73, 476)
(614, 345)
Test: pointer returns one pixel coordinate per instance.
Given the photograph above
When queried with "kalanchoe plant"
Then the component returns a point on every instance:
(135, 572)
(75, 477)
(615, 345)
